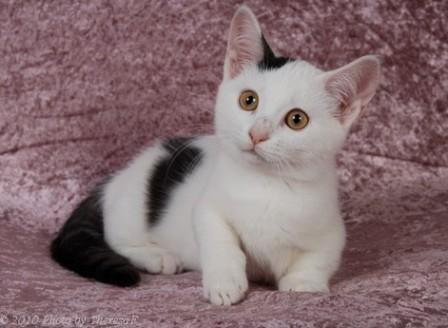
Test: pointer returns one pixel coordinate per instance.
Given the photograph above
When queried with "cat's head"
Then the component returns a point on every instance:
(281, 114)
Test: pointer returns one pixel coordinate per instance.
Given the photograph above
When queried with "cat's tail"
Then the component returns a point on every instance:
(80, 247)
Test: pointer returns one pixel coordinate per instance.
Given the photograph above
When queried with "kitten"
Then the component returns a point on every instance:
(258, 200)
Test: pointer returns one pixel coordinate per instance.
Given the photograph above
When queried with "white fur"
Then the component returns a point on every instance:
(269, 214)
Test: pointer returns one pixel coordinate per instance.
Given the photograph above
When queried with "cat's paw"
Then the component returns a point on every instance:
(291, 283)
(152, 258)
(160, 261)
(225, 288)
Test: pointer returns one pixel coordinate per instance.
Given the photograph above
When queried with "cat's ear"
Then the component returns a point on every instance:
(353, 86)
(245, 43)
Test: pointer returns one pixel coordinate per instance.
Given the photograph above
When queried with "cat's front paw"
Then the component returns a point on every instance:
(225, 288)
(291, 283)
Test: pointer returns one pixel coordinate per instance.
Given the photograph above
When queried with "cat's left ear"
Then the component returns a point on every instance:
(353, 86)
(245, 43)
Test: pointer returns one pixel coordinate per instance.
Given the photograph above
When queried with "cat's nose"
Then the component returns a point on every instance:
(260, 131)
(258, 136)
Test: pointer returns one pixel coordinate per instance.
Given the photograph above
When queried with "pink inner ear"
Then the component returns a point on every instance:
(244, 45)
(342, 87)
(354, 83)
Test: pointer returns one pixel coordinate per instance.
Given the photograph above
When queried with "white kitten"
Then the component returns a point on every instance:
(258, 200)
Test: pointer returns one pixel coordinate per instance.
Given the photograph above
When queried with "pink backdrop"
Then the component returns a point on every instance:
(85, 84)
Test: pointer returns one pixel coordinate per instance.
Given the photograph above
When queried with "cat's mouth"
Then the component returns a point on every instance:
(252, 154)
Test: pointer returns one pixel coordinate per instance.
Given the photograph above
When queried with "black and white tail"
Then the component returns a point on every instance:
(80, 247)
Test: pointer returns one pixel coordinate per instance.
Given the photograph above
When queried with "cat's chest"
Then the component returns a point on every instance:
(261, 209)
(264, 209)
(268, 224)
(263, 223)
(268, 214)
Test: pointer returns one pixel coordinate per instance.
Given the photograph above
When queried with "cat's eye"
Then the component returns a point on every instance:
(296, 119)
(248, 100)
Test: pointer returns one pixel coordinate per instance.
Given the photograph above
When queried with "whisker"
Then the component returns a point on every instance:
(194, 162)
(176, 154)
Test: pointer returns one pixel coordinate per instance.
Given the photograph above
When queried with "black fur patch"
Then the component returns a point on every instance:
(170, 171)
(80, 247)
(270, 61)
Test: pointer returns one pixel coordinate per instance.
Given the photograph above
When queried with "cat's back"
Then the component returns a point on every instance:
(147, 186)
(177, 183)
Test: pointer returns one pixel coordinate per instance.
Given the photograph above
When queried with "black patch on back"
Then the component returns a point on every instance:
(270, 61)
(170, 171)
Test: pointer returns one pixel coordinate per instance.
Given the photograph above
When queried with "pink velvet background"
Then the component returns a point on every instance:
(85, 84)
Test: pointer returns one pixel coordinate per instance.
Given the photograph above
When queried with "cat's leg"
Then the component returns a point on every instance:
(311, 270)
(223, 263)
(152, 258)
(133, 241)
(126, 225)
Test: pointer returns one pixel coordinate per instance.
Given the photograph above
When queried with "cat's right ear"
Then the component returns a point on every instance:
(245, 43)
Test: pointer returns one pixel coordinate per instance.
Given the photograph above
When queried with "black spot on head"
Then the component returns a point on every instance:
(170, 171)
(270, 61)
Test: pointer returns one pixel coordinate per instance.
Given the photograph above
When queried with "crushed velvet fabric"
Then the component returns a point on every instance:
(84, 85)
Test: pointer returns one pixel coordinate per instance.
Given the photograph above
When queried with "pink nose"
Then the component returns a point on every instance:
(258, 136)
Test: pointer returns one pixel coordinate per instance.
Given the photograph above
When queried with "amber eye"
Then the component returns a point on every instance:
(296, 119)
(248, 100)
